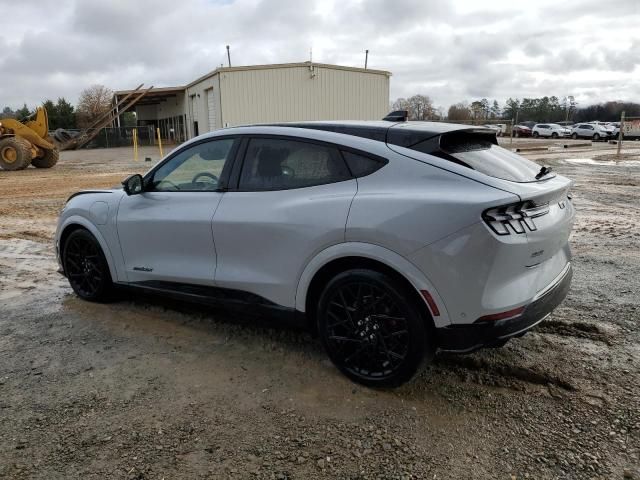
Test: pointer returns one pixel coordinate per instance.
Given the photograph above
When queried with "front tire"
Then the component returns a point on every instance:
(372, 329)
(536, 134)
(554, 135)
(574, 136)
(86, 268)
(596, 137)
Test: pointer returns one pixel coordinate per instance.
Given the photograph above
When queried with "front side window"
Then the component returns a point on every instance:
(280, 164)
(197, 168)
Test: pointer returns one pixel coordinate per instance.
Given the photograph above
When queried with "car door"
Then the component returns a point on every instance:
(165, 231)
(291, 202)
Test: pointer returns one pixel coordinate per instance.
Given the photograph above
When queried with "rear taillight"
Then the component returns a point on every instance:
(514, 218)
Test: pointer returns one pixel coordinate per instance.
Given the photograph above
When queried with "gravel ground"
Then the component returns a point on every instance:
(144, 388)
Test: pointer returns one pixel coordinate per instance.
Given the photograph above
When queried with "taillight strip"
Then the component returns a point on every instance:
(514, 217)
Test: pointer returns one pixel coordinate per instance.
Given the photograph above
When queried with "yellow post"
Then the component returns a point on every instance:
(159, 142)
(135, 144)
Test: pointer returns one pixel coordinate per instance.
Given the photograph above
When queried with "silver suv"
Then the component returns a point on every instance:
(593, 131)
(389, 240)
(552, 130)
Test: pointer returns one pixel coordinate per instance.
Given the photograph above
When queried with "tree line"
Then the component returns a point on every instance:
(544, 109)
(93, 102)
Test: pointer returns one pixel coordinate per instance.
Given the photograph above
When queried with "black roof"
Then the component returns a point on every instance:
(404, 134)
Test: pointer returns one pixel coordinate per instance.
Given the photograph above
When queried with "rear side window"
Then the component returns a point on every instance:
(281, 164)
(360, 165)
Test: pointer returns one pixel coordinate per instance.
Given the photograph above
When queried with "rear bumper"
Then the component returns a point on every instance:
(470, 337)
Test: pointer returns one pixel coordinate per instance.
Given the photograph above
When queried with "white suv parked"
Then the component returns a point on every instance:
(552, 130)
(389, 240)
(594, 131)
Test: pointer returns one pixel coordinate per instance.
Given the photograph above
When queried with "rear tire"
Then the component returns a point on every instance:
(554, 135)
(372, 330)
(86, 268)
(574, 136)
(596, 137)
(536, 134)
(48, 160)
(15, 153)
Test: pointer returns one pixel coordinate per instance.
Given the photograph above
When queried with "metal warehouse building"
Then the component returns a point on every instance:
(231, 96)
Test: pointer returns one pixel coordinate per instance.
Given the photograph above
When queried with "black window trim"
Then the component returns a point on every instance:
(223, 180)
(236, 173)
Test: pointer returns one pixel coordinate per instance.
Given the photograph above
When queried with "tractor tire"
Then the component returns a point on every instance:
(15, 153)
(49, 159)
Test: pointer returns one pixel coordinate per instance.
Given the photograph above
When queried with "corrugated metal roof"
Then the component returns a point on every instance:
(154, 91)
(286, 65)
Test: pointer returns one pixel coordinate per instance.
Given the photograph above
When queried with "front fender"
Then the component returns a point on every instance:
(373, 252)
(83, 222)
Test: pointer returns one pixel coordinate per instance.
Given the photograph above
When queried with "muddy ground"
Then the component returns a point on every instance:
(146, 389)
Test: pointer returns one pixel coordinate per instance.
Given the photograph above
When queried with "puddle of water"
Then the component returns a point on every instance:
(590, 161)
(27, 266)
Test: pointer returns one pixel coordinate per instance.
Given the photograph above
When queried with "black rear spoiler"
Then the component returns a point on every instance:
(397, 116)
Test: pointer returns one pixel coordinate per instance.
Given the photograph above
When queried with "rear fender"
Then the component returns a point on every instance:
(374, 252)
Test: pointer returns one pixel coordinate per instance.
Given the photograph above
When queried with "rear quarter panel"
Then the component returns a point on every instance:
(409, 204)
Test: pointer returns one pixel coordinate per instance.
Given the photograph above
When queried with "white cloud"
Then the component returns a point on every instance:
(450, 50)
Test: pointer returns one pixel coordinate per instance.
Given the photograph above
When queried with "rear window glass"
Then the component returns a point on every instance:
(479, 152)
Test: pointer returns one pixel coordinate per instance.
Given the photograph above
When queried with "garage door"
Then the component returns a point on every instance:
(211, 110)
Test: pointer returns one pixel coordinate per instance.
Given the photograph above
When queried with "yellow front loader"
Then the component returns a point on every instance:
(27, 142)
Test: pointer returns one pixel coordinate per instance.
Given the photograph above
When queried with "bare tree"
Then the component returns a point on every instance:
(400, 104)
(459, 112)
(421, 108)
(94, 101)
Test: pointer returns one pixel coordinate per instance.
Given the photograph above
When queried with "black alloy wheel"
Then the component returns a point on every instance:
(372, 329)
(85, 267)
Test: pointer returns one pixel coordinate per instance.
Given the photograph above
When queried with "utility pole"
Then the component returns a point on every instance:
(228, 55)
(366, 58)
(620, 135)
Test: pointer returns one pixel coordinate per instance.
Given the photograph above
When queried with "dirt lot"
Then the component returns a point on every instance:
(145, 389)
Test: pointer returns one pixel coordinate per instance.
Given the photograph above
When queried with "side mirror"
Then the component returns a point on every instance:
(132, 185)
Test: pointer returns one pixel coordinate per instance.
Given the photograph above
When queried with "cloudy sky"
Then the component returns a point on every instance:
(450, 50)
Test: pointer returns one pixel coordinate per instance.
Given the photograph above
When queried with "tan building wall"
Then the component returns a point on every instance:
(288, 92)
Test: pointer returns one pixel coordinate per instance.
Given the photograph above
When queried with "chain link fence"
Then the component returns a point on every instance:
(110, 137)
